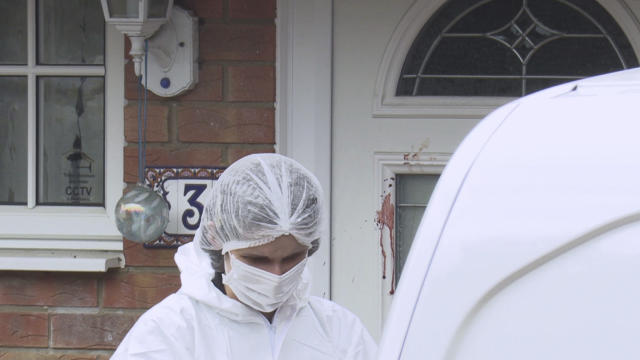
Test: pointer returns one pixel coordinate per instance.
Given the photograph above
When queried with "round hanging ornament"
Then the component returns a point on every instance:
(141, 214)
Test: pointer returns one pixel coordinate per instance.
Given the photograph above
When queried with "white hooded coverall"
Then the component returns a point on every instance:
(200, 322)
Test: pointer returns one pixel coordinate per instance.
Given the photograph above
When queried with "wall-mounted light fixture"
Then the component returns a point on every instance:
(173, 41)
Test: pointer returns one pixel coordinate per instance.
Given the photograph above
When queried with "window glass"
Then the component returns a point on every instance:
(512, 48)
(71, 140)
(70, 32)
(13, 140)
(123, 8)
(13, 32)
(158, 9)
(412, 195)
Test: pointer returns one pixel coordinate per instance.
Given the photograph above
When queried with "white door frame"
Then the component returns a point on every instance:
(303, 105)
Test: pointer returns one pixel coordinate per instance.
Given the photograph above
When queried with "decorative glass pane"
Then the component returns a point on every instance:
(158, 8)
(512, 47)
(13, 32)
(412, 195)
(468, 86)
(123, 8)
(446, 61)
(477, 19)
(547, 62)
(13, 140)
(563, 17)
(70, 32)
(71, 140)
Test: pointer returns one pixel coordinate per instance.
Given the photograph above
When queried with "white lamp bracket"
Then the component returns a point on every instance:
(173, 55)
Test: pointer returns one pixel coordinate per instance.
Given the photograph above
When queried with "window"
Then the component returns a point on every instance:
(405, 182)
(512, 48)
(517, 47)
(61, 158)
(413, 192)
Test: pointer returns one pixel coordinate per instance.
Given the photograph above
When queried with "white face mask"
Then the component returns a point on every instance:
(261, 289)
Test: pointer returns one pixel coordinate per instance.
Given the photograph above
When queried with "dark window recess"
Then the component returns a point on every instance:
(512, 47)
(413, 192)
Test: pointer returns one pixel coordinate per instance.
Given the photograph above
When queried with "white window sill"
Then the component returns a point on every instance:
(55, 239)
(55, 260)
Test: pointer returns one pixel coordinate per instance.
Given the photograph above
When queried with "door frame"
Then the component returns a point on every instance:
(304, 31)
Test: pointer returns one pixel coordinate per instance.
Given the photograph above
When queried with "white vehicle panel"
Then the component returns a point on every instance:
(530, 235)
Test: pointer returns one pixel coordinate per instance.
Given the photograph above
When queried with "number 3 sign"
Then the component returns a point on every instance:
(186, 190)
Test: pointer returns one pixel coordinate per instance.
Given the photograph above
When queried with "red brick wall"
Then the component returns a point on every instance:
(230, 113)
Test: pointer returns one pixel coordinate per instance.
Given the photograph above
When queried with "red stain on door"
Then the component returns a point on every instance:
(385, 219)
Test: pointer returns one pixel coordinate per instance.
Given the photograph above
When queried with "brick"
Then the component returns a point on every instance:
(90, 331)
(48, 289)
(127, 49)
(157, 123)
(249, 42)
(138, 290)
(252, 9)
(209, 86)
(226, 125)
(39, 355)
(176, 156)
(252, 83)
(137, 255)
(24, 329)
(203, 9)
(236, 153)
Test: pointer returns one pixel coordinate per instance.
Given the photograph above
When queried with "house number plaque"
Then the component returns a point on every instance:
(186, 190)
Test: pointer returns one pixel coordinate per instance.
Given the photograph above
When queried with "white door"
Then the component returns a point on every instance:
(379, 138)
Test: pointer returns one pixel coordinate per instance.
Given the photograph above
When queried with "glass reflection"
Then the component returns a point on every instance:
(123, 8)
(13, 140)
(71, 140)
(70, 32)
(13, 32)
(158, 8)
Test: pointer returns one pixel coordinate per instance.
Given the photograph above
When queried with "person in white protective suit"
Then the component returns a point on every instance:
(245, 284)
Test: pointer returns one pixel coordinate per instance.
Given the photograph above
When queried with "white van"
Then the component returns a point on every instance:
(530, 245)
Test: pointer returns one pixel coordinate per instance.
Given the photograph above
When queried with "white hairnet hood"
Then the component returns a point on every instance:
(259, 198)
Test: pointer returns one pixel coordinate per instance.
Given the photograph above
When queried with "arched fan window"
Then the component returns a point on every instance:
(512, 47)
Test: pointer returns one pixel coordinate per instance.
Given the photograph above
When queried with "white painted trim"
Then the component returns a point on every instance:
(386, 104)
(303, 107)
(44, 70)
(386, 166)
(77, 261)
(284, 85)
(114, 121)
(32, 237)
(31, 106)
(96, 242)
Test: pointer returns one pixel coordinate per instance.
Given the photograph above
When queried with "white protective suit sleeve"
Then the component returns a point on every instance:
(350, 339)
(158, 334)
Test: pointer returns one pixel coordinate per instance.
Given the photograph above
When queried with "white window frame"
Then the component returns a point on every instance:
(387, 104)
(66, 238)
(387, 166)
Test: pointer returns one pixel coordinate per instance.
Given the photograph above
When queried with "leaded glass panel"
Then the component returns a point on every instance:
(13, 140)
(512, 47)
(71, 140)
(70, 32)
(13, 32)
